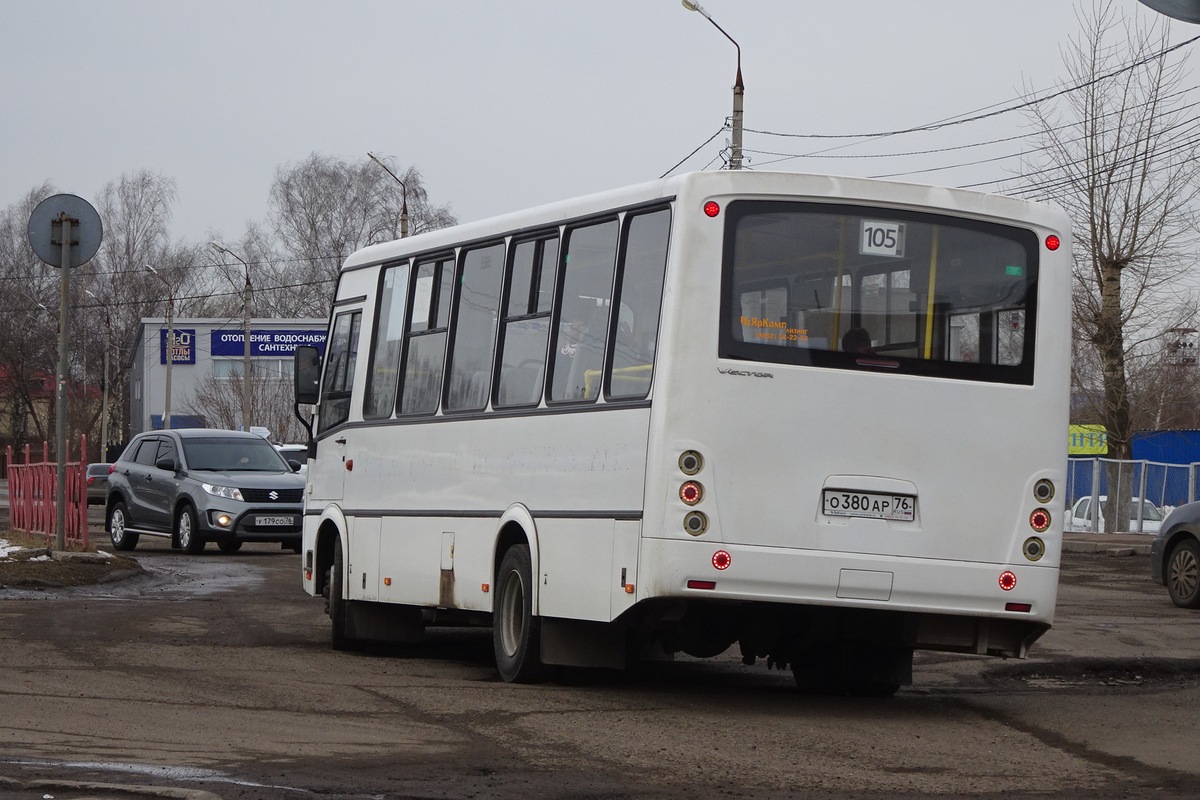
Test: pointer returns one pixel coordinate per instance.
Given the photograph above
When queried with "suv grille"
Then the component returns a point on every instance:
(281, 495)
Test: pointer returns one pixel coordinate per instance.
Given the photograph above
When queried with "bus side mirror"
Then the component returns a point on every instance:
(307, 374)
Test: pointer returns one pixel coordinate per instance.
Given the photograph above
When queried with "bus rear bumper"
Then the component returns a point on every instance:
(952, 606)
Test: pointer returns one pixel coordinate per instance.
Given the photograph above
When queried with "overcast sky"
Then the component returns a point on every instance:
(505, 104)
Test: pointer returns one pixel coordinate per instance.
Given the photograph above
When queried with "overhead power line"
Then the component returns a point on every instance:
(983, 113)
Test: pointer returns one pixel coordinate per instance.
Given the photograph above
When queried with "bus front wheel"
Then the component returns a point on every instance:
(515, 630)
(335, 600)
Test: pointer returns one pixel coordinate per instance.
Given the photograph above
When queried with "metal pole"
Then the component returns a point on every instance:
(170, 356)
(60, 502)
(403, 194)
(735, 145)
(739, 89)
(246, 352)
(104, 394)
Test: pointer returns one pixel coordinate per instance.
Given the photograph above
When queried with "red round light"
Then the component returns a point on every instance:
(1039, 520)
(1052, 242)
(722, 559)
(712, 208)
(1008, 581)
(691, 493)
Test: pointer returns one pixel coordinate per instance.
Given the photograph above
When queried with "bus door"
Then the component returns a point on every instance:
(327, 472)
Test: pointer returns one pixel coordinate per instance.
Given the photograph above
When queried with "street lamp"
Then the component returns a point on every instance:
(104, 393)
(403, 195)
(735, 145)
(245, 335)
(170, 345)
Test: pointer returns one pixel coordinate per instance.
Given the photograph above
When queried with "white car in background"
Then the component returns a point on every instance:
(294, 452)
(1081, 516)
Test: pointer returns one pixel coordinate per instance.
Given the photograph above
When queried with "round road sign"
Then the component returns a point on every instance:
(45, 229)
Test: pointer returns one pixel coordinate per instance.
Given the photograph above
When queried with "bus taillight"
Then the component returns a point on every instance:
(1052, 242)
(1008, 580)
(712, 208)
(1039, 520)
(721, 559)
(691, 493)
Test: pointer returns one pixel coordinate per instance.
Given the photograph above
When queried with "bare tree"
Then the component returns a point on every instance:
(1121, 157)
(28, 337)
(319, 212)
(219, 402)
(136, 212)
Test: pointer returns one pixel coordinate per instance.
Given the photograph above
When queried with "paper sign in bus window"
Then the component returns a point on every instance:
(881, 238)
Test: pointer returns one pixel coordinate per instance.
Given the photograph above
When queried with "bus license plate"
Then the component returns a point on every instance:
(273, 521)
(874, 505)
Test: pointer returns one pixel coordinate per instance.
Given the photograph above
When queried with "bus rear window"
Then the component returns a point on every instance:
(872, 288)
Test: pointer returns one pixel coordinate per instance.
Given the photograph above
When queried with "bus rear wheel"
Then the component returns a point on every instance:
(335, 601)
(515, 630)
(857, 670)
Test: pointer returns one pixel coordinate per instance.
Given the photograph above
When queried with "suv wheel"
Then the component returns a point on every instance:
(186, 532)
(1183, 574)
(118, 519)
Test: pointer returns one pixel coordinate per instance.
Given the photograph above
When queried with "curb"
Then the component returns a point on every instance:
(114, 790)
(1107, 548)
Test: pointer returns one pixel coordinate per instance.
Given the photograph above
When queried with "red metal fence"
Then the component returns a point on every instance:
(33, 495)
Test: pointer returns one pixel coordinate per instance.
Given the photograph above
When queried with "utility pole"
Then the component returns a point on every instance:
(247, 295)
(739, 89)
(104, 392)
(170, 346)
(403, 194)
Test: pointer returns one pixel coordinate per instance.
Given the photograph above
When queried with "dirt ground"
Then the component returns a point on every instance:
(35, 566)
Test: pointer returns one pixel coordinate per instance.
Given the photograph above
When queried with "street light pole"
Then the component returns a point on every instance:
(403, 194)
(170, 345)
(104, 393)
(247, 291)
(739, 89)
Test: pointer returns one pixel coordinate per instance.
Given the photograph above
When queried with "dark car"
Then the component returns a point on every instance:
(195, 486)
(97, 482)
(1175, 555)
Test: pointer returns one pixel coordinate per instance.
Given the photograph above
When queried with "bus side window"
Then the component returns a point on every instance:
(585, 297)
(339, 371)
(470, 368)
(383, 376)
(526, 323)
(638, 302)
(426, 353)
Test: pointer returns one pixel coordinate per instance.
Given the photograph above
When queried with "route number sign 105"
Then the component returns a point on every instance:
(881, 238)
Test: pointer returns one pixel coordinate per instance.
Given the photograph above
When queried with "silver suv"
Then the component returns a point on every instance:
(199, 485)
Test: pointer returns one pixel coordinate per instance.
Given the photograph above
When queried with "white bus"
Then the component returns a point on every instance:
(819, 418)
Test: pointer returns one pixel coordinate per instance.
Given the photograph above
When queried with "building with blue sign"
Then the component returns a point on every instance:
(207, 358)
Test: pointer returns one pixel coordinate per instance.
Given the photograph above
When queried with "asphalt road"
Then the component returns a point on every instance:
(213, 675)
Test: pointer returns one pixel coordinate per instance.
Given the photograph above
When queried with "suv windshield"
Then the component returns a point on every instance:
(857, 287)
(233, 455)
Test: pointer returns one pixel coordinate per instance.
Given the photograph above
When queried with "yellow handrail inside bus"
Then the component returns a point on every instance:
(933, 257)
(636, 377)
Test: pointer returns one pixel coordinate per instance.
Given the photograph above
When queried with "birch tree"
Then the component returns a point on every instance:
(1120, 158)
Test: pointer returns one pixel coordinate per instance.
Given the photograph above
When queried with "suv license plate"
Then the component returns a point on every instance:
(873, 505)
(273, 520)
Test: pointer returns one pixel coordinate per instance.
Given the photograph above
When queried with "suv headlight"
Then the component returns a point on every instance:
(228, 492)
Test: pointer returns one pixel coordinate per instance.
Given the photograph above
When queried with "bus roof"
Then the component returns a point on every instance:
(827, 188)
